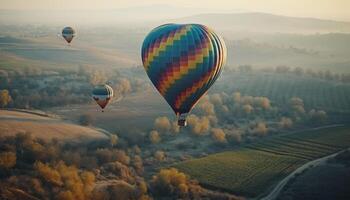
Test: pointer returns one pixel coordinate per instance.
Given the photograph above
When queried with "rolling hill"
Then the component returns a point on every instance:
(45, 127)
(54, 52)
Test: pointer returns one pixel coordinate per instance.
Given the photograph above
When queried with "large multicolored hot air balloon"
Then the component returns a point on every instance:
(102, 94)
(68, 33)
(183, 61)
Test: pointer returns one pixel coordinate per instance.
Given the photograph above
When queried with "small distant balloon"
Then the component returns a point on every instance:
(102, 94)
(183, 61)
(68, 33)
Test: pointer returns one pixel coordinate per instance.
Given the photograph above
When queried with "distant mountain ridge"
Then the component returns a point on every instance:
(153, 15)
(264, 22)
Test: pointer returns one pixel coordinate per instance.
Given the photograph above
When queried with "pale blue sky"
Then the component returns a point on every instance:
(331, 9)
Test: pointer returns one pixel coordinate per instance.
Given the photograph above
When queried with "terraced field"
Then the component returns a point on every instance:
(255, 168)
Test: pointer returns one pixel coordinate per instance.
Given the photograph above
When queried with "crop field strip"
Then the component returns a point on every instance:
(254, 168)
(324, 137)
(247, 178)
(293, 149)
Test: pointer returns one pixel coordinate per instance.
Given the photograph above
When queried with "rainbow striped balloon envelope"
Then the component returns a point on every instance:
(183, 61)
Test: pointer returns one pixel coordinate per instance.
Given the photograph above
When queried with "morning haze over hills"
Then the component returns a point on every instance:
(265, 22)
(227, 20)
(275, 125)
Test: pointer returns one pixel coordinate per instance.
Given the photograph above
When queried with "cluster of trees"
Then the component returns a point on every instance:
(54, 170)
(229, 117)
(215, 118)
(326, 75)
(299, 71)
(298, 112)
(37, 88)
(31, 168)
(171, 182)
(232, 119)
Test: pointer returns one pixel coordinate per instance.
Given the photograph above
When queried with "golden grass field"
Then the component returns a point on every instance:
(13, 122)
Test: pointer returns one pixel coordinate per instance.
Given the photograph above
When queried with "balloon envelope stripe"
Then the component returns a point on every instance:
(154, 52)
(192, 64)
(188, 92)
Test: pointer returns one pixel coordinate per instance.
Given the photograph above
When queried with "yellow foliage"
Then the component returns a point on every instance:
(216, 99)
(260, 129)
(218, 135)
(162, 124)
(5, 98)
(248, 108)
(207, 108)
(113, 140)
(7, 159)
(49, 174)
(154, 137)
(122, 157)
(159, 155)
(183, 188)
(199, 125)
(285, 122)
(170, 181)
(65, 195)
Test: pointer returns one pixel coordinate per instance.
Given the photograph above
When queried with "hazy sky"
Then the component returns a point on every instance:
(331, 9)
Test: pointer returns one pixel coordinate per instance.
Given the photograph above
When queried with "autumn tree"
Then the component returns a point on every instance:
(121, 156)
(234, 136)
(297, 105)
(49, 174)
(5, 98)
(154, 137)
(285, 122)
(198, 125)
(218, 135)
(260, 129)
(113, 140)
(170, 182)
(159, 155)
(162, 124)
(247, 109)
(7, 160)
(318, 116)
(207, 107)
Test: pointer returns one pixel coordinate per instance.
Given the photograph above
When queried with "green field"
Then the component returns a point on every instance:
(254, 169)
